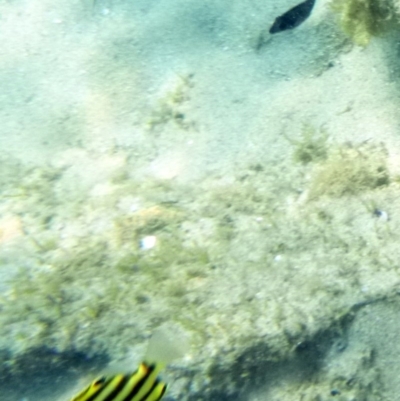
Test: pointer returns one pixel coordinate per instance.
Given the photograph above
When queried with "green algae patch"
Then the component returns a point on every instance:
(363, 19)
(170, 106)
(147, 221)
(349, 171)
(311, 146)
(232, 264)
(84, 299)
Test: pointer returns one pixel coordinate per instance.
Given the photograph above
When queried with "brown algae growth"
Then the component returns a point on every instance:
(338, 170)
(311, 146)
(363, 19)
(236, 263)
(350, 170)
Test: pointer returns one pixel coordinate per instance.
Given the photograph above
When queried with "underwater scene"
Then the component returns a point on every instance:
(200, 200)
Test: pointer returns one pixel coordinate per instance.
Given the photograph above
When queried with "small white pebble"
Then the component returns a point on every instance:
(381, 214)
(133, 208)
(384, 216)
(148, 242)
(278, 258)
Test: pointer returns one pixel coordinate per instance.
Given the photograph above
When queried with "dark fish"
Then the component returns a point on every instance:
(292, 18)
(142, 385)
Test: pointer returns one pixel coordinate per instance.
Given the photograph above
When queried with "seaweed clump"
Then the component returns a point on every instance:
(170, 107)
(312, 145)
(349, 171)
(364, 19)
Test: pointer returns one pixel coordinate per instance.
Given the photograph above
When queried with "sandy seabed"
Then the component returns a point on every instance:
(161, 165)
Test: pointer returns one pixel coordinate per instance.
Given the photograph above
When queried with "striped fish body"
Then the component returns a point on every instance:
(142, 385)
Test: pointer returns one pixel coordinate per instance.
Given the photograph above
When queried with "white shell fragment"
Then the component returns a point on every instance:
(381, 214)
(384, 216)
(148, 242)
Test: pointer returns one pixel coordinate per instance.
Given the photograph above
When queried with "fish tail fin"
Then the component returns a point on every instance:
(166, 345)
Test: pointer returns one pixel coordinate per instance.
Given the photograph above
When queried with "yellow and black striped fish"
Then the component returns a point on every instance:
(142, 385)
